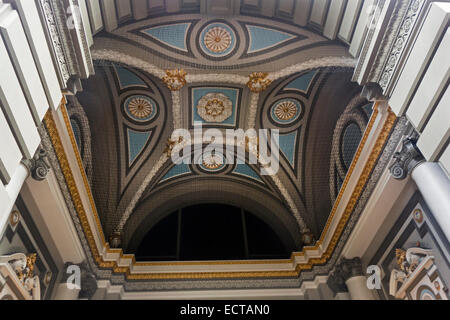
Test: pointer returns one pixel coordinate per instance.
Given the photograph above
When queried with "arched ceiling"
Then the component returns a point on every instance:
(130, 110)
(189, 41)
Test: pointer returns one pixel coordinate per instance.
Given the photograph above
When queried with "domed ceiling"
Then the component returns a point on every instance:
(226, 72)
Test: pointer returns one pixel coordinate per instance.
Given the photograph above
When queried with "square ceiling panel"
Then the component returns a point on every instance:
(215, 106)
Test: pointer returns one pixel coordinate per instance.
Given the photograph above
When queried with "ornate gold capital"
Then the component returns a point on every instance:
(170, 145)
(400, 254)
(175, 79)
(258, 82)
(31, 261)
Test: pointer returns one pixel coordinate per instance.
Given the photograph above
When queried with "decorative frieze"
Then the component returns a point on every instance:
(67, 46)
(416, 277)
(24, 285)
(55, 37)
(391, 30)
(400, 43)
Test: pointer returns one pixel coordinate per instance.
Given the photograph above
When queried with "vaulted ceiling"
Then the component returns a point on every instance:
(127, 112)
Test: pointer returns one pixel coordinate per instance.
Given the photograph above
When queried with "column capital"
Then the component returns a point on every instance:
(344, 270)
(373, 92)
(38, 166)
(408, 158)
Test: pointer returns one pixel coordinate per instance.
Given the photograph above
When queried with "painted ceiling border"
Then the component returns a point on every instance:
(117, 263)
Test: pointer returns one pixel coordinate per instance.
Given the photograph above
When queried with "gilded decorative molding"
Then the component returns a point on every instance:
(382, 138)
(65, 167)
(14, 218)
(70, 181)
(23, 267)
(81, 167)
(258, 82)
(170, 145)
(175, 79)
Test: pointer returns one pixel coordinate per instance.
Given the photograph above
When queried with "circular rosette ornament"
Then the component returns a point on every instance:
(213, 162)
(286, 111)
(140, 108)
(215, 107)
(217, 40)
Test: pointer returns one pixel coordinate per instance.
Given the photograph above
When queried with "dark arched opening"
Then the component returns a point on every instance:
(211, 232)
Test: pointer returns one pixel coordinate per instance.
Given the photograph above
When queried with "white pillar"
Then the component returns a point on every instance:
(63, 292)
(434, 185)
(357, 288)
(12, 191)
(15, 185)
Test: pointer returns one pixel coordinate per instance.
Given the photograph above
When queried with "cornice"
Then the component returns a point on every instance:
(66, 46)
(389, 37)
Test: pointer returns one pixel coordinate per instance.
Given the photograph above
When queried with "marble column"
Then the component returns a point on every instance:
(434, 185)
(12, 192)
(431, 180)
(37, 167)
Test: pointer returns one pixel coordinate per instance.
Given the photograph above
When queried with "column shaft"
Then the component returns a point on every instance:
(63, 292)
(434, 185)
(357, 288)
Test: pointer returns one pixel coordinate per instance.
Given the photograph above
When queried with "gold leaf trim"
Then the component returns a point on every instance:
(370, 164)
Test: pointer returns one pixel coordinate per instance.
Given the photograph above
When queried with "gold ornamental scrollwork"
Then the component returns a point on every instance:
(258, 82)
(171, 144)
(175, 79)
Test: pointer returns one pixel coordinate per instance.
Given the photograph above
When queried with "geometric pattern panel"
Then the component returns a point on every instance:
(243, 169)
(177, 171)
(262, 38)
(215, 105)
(301, 83)
(172, 35)
(127, 78)
(288, 145)
(136, 143)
